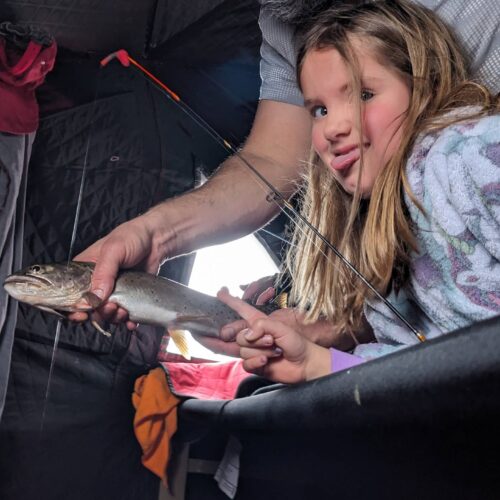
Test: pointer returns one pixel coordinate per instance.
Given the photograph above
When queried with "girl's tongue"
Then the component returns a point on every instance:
(343, 161)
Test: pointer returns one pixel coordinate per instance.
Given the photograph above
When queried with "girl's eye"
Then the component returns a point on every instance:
(366, 95)
(318, 111)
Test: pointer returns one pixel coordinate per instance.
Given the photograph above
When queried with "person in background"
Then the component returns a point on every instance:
(404, 179)
(231, 203)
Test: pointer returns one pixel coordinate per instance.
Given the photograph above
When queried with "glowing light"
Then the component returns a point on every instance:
(232, 264)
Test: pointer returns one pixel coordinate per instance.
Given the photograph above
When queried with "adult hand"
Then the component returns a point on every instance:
(130, 245)
(259, 291)
(273, 349)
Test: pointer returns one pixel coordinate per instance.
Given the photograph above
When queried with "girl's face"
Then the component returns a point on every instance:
(336, 135)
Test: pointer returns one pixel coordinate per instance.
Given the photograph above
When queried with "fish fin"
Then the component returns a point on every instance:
(99, 328)
(180, 340)
(92, 299)
(49, 310)
(282, 300)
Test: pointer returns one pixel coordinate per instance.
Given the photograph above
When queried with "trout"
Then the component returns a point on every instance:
(65, 287)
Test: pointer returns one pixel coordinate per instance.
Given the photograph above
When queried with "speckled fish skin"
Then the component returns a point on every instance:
(148, 299)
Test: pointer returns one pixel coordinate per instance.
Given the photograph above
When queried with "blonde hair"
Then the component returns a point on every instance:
(376, 234)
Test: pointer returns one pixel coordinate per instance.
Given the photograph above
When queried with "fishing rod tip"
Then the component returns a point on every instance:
(121, 55)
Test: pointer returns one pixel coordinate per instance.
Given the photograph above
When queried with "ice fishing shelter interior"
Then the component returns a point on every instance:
(417, 424)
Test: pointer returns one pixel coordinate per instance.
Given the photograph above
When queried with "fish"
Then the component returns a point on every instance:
(62, 288)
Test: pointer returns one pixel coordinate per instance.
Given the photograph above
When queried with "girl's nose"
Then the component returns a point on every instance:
(338, 124)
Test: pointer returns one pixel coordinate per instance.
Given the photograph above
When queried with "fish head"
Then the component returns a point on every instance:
(52, 287)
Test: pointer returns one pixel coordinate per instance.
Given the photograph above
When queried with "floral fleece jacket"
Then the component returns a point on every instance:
(455, 276)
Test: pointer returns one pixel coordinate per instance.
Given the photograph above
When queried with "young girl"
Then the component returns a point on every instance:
(405, 181)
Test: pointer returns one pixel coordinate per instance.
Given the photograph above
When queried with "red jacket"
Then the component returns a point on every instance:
(20, 74)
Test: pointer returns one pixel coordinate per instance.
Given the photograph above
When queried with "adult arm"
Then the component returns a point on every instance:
(232, 203)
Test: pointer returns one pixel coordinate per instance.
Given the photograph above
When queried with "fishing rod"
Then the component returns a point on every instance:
(125, 60)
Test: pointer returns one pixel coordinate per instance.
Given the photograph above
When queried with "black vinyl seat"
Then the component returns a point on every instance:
(420, 423)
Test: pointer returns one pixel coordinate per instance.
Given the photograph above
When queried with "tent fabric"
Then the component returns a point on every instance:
(15, 152)
(111, 134)
(89, 25)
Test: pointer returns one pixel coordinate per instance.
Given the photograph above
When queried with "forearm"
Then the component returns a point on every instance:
(231, 204)
(234, 201)
(325, 361)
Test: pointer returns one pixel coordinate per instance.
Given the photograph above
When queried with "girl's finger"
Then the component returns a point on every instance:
(255, 364)
(284, 337)
(250, 352)
(246, 311)
(246, 339)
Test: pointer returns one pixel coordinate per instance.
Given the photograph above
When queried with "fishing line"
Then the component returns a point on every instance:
(274, 235)
(76, 220)
(49, 379)
(274, 195)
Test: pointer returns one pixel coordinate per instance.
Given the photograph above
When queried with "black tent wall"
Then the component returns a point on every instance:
(73, 438)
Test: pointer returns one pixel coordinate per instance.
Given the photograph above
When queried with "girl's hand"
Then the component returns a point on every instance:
(275, 350)
(258, 292)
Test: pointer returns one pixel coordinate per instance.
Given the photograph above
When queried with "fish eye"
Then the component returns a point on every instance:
(35, 269)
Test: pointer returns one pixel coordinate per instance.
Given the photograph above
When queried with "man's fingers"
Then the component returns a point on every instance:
(107, 257)
(104, 275)
(121, 315)
(131, 325)
(78, 316)
(265, 296)
(108, 311)
(249, 290)
(254, 289)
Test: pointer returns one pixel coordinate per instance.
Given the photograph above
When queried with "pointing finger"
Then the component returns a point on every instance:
(246, 311)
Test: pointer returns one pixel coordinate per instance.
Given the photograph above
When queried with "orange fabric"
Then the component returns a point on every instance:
(155, 420)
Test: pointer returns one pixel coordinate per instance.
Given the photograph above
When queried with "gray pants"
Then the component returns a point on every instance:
(15, 151)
